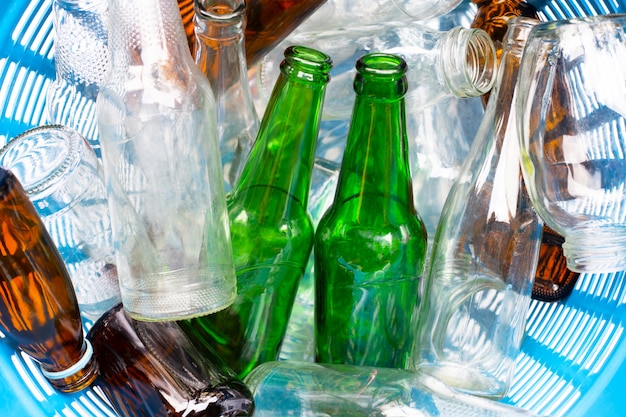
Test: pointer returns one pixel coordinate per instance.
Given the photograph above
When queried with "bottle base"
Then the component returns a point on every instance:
(466, 380)
(180, 295)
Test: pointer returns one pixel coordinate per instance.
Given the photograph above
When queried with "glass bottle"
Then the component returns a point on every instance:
(157, 120)
(143, 373)
(220, 54)
(272, 231)
(81, 62)
(303, 389)
(553, 280)
(370, 244)
(477, 294)
(458, 62)
(38, 309)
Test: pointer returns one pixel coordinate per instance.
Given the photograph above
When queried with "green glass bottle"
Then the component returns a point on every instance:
(272, 231)
(370, 244)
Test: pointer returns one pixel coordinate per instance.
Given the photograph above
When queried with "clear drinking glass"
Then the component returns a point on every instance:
(572, 122)
(63, 178)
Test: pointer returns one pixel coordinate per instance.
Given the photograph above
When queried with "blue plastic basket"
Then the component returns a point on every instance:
(573, 357)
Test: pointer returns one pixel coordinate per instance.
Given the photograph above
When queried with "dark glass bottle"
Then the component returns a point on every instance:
(38, 308)
(370, 244)
(553, 280)
(152, 369)
(271, 228)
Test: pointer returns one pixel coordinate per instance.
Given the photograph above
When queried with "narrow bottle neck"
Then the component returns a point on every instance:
(282, 156)
(220, 53)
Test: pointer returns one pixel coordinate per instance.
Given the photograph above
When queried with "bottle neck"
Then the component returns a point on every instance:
(282, 156)
(220, 53)
(375, 160)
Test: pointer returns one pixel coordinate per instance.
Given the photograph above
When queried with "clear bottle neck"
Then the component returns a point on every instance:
(467, 62)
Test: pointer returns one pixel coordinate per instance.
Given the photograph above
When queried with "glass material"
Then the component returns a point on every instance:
(485, 252)
(572, 129)
(38, 309)
(81, 62)
(272, 231)
(157, 120)
(370, 244)
(220, 54)
(143, 373)
(63, 179)
(457, 62)
(337, 14)
(299, 341)
(311, 389)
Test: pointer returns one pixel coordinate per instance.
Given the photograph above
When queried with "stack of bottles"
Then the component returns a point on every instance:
(238, 245)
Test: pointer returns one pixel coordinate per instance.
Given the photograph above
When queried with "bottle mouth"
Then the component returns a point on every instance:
(306, 63)
(468, 62)
(74, 369)
(220, 10)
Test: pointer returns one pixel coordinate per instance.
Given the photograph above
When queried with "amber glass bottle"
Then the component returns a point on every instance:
(38, 307)
(152, 369)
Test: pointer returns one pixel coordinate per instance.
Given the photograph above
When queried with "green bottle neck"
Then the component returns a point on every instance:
(375, 160)
(282, 156)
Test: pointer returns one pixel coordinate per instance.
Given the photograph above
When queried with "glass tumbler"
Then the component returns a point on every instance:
(572, 121)
(62, 177)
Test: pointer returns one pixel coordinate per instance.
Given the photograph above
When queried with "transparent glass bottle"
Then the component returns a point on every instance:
(81, 62)
(370, 244)
(304, 389)
(153, 369)
(38, 309)
(457, 62)
(485, 252)
(272, 230)
(157, 121)
(220, 54)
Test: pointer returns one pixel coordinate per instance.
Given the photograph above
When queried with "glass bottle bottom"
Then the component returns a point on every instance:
(178, 295)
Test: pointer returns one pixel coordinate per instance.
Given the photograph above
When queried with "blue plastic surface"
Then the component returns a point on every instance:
(573, 357)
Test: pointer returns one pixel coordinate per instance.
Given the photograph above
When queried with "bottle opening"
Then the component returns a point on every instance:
(381, 64)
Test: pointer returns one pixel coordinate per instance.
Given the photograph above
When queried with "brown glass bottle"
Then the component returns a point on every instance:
(267, 23)
(153, 369)
(38, 308)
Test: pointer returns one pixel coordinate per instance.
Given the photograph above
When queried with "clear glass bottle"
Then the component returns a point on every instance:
(81, 62)
(158, 130)
(152, 369)
(272, 230)
(457, 62)
(370, 244)
(220, 54)
(38, 309)
(477, 294)
(304, 389)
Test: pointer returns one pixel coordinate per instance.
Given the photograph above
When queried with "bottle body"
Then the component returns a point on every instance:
(370, 244)
(39, 310)
(220, 54)
(272, 231)
(145, 373)
(81, 61)
(485, 253)
(156, 115)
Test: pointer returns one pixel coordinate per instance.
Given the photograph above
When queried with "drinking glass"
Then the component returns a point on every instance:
(572, 123)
